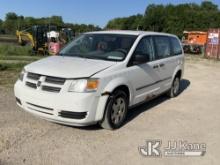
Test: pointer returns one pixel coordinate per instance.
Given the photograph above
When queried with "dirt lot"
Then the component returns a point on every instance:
(193, 116)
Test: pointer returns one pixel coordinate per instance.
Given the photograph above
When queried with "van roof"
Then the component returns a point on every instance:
(130, 32)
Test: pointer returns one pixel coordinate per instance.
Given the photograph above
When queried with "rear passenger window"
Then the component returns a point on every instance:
(162, 46)
(177, 49)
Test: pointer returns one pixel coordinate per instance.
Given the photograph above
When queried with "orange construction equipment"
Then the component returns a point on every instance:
(194, 41)
(195, 37)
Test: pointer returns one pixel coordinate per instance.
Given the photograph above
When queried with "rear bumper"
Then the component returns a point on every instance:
(76, 109)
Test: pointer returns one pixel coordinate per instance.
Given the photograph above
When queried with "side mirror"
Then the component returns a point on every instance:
(140, 59)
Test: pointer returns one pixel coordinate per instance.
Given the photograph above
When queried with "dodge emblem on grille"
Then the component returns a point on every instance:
(38, 83)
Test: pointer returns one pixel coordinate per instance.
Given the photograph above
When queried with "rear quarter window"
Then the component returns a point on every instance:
(176, 47)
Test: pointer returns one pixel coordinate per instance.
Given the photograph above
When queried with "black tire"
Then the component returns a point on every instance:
(175, 88)
(117, 100)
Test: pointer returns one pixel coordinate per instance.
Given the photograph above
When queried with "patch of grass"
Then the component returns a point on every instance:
(12, 59)
(12, 66)
(7, 36)
(15, 50)
(3, 67)
(21, 58)
(9, 77)
(9, 73)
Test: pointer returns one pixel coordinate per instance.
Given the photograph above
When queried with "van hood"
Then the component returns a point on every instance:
(68, 67)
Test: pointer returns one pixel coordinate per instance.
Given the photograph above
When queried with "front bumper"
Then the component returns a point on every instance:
(50, 106)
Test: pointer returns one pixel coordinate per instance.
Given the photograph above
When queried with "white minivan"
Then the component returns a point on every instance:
(99, 75)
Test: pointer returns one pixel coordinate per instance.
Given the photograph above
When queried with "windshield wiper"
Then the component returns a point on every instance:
(72, 55)
(86, 57)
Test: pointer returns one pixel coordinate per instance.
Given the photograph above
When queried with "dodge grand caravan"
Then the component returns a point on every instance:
(99, 75)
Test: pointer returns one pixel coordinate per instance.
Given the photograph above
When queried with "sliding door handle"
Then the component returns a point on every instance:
(162, 65)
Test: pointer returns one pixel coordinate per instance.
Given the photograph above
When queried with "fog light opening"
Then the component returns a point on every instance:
(18, 101)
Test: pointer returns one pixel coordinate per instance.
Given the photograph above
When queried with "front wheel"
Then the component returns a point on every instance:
(174, 90)
(116, 110)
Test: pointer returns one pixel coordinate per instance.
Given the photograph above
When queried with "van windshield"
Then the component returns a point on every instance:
(111, 47)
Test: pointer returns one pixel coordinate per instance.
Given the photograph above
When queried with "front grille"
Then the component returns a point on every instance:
(45, 83)
(55, 80)
(51, 89)
(33, 76)
(31, 85)
(73, 115)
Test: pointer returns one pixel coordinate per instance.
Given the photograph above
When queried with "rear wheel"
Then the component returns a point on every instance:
(174, 90)
(116, 110)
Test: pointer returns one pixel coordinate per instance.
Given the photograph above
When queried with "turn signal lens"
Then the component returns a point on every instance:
(92, 84)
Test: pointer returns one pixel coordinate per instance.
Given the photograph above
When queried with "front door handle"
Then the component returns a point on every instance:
(155, 66)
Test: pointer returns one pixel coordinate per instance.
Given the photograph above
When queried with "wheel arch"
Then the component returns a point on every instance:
(113, 85)
(178, 72)
(119, 83)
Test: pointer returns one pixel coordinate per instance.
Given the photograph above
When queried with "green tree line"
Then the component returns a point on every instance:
(171, 18)
(15, 22)
(162, 18)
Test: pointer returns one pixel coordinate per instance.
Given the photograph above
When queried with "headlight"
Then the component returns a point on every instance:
(84, 85)
(21, 75)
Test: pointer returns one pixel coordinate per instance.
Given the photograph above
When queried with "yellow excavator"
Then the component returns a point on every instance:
(24, 37)
(37, 37)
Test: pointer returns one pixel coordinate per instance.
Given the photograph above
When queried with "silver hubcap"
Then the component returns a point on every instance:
(118, 110)
(176, 86)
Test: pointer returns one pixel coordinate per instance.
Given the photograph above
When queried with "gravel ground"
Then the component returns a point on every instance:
(193, 116)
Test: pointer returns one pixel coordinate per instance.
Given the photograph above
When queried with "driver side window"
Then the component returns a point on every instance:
(144, 51)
